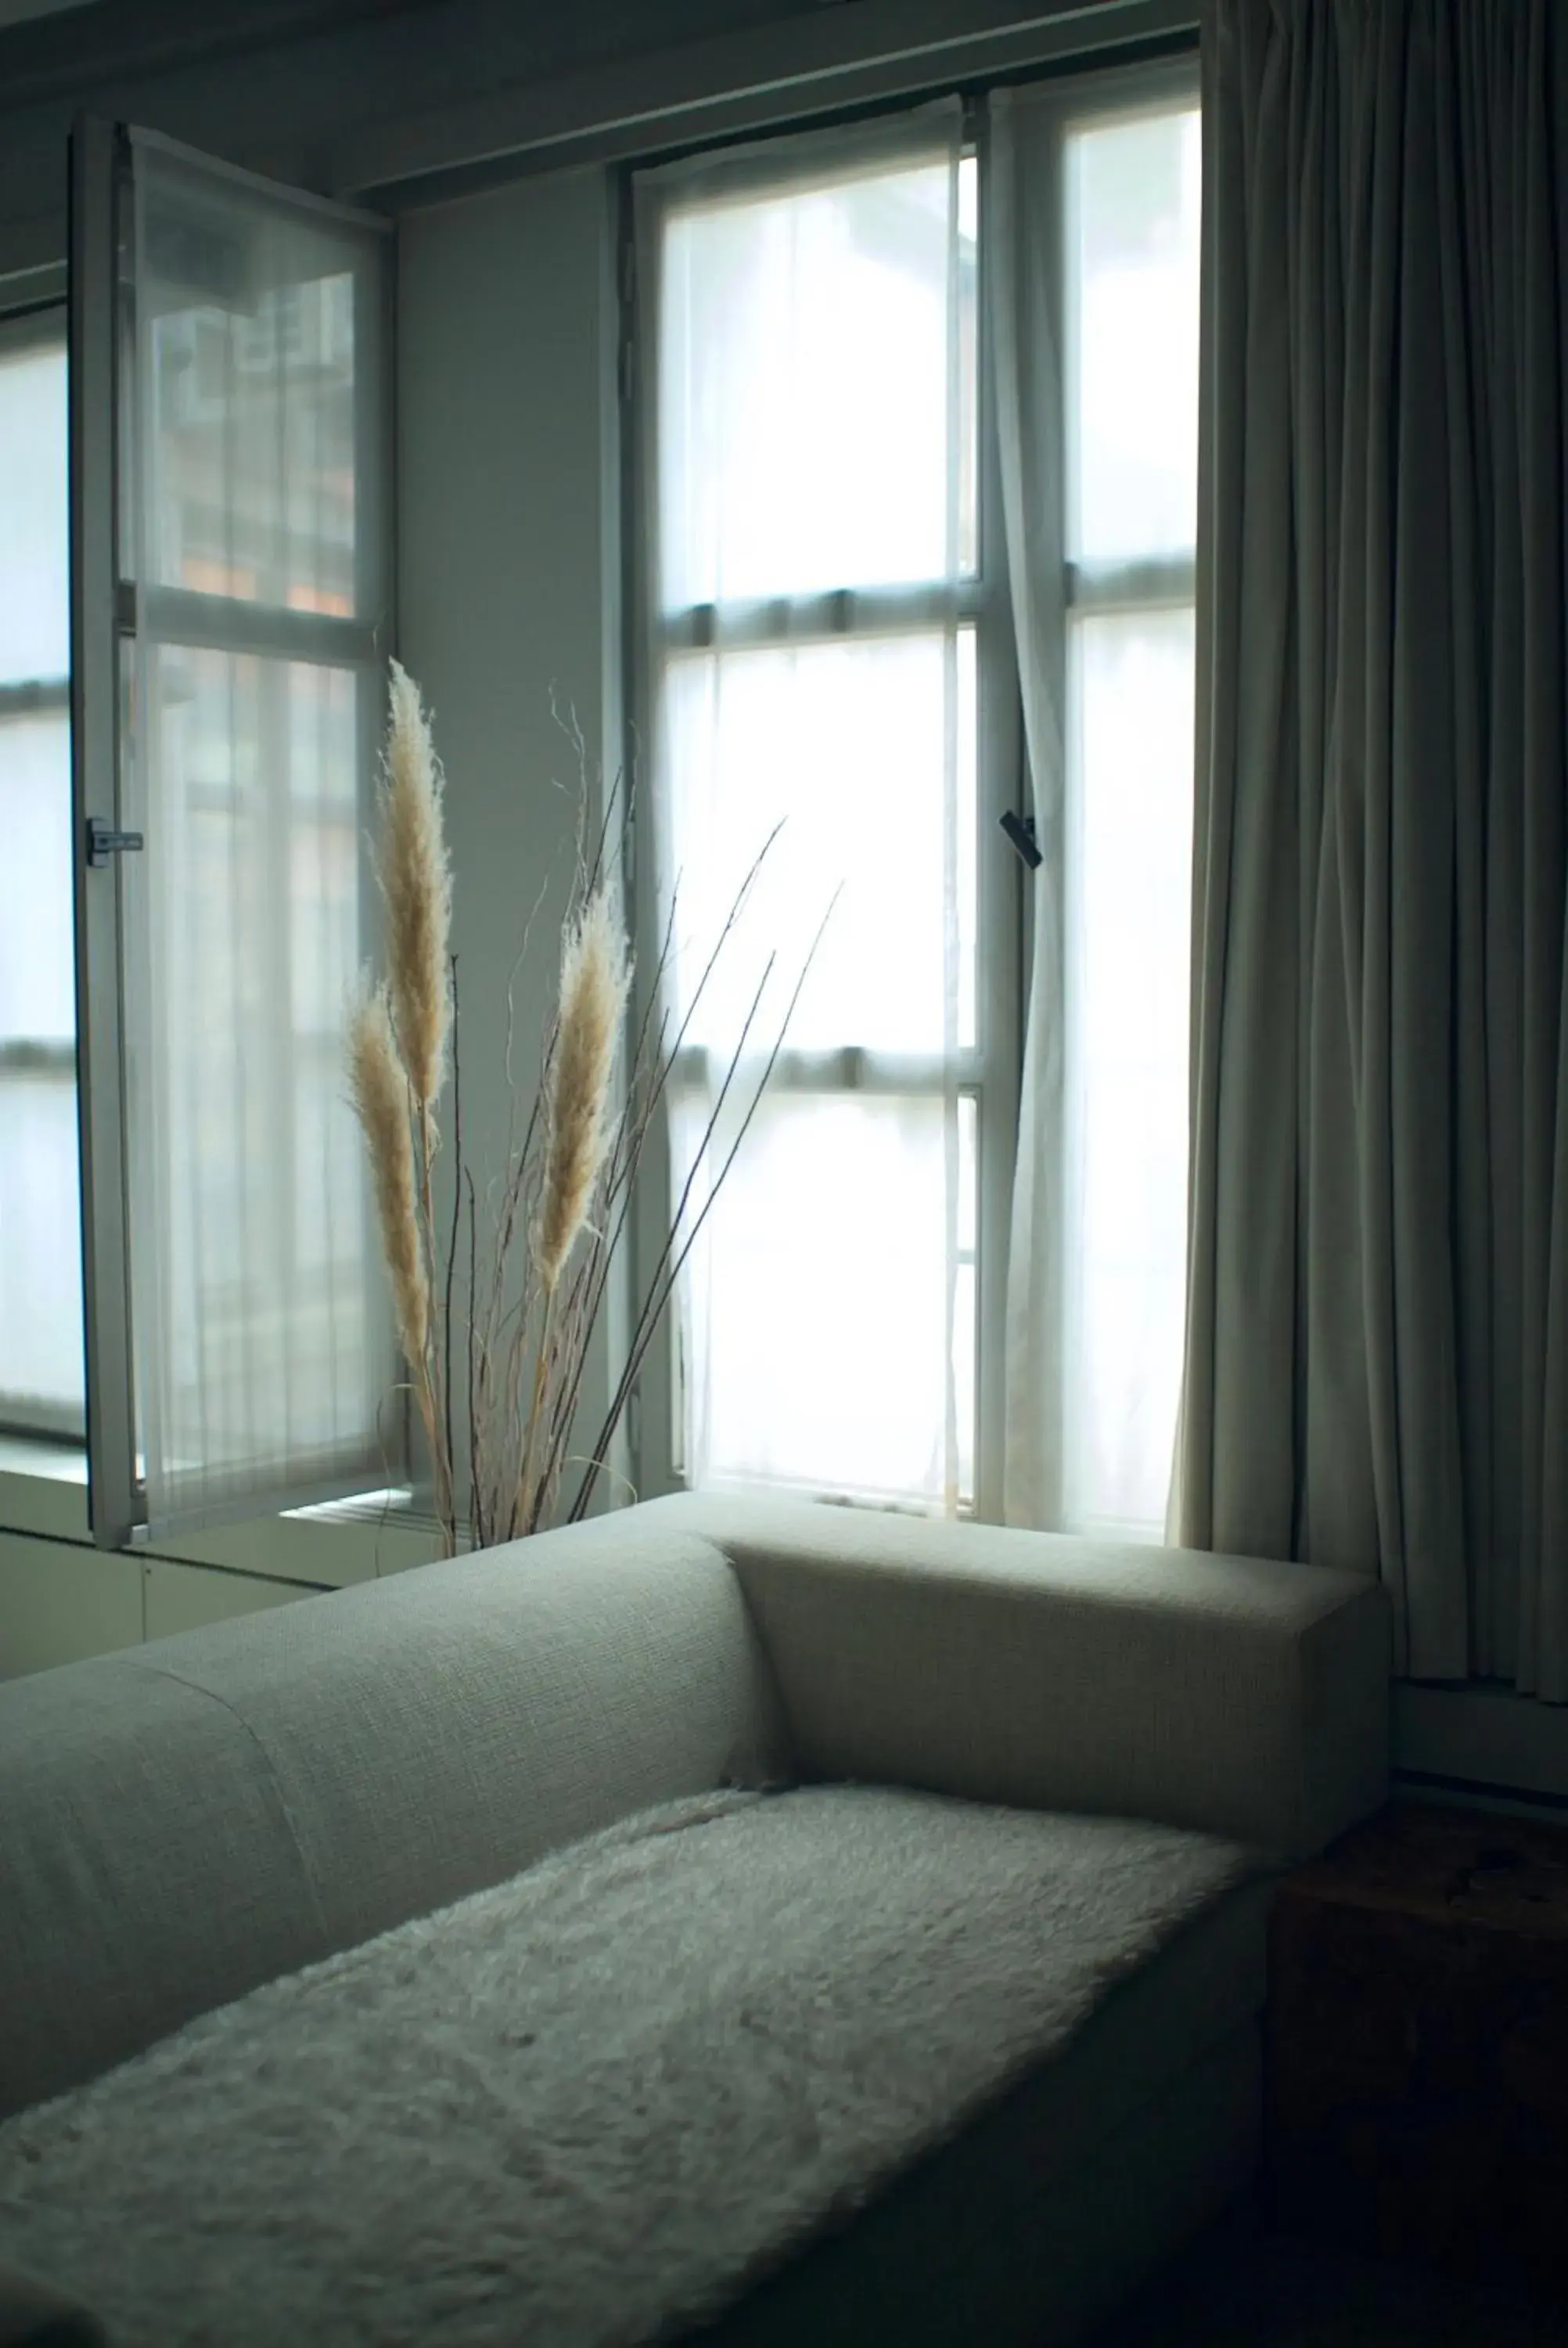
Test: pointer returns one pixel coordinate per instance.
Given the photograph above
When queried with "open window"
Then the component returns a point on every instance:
(230, 616)
(915, 450)
(824, 618)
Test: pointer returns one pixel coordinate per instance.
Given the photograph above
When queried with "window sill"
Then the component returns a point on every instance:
(43, 1490)
(43, 1494)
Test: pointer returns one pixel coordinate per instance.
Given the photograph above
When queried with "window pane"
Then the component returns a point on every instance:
(40, 1254)
(810, 437)
(34, 593)
(38, 975)
(1133, 195)
(41, 1378)
(823, 1367)
(248, 1177)
(253, 350)
(1133, 679)
(846, 742)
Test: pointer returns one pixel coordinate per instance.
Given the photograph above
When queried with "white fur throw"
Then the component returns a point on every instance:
(602, 2097)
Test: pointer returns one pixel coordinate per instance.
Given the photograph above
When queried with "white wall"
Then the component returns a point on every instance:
(62, 1599)
(509, 569)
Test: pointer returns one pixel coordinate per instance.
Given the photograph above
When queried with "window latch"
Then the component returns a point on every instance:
(1019, 830)
(104, 841)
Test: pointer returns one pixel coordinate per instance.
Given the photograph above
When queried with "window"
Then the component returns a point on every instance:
(40, 1257)
(820, 609)
(234, 625)
(1131, 187)
(830, 641)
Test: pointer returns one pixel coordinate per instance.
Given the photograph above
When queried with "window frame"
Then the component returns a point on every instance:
(110, 608)
(989, 1069)
(1100, 93)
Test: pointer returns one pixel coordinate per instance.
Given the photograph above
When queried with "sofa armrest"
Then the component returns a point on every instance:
(1239, 1696)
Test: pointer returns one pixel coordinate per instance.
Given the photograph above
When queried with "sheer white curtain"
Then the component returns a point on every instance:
(808, 312)
(1092, 251)
(41, 1383)
(256, 540)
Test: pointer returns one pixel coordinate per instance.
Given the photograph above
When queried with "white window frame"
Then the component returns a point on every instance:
(988, 1071)
(110, 607)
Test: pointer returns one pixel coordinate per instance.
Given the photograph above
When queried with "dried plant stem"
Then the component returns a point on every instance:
(545, 1231)
(447, 1364)
(655, 1297)
(436, 1412)
(382, 1103)
(659, 1292)
(476, 1487)
(520, 1508)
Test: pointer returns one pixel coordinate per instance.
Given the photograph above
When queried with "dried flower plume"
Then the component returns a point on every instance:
(381, 1103)
(595, 975)
(497, 1332)
(416, 887)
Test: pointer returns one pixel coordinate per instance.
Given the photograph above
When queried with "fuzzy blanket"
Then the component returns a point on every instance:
(594, 2103)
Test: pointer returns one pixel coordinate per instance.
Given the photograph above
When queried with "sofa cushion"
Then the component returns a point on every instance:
(606, 2096)
(184, 1822)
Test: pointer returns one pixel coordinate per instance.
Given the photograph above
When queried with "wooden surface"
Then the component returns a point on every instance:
(1416, 2042)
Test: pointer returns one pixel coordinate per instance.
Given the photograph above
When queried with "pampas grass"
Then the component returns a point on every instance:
(596, 973)
(406, 1023)
(415, 883)
(505, 1312)
(381, 1099)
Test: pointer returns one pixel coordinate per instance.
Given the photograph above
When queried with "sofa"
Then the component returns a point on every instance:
(730, 1920)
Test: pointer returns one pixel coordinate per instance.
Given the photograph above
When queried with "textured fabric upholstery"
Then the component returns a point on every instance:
(182, 1822)
(602, 2099)
(186, 1821)
(1240, 1696)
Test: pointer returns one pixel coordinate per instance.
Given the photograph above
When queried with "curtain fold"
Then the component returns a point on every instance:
(1377, 1359)
(1092, 244)
(1025, 246)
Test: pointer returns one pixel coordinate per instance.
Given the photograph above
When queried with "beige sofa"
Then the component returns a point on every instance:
(184, 1823)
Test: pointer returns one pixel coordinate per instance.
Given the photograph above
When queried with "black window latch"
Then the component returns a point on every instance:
(1019, 830)
(104, 841)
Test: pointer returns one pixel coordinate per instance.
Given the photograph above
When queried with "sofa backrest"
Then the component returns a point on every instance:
(180, 1823)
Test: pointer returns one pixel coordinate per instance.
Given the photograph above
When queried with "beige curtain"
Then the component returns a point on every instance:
(1376, 1367)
